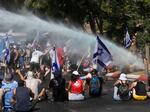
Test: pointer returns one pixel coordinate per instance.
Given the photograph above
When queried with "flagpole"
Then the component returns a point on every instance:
(7, 47)
(81, 61)
(37, 35)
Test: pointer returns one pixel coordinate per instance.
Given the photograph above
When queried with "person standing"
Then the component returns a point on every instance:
(35, 60)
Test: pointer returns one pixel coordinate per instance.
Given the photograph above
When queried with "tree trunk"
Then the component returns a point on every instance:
(99, 23)
(92, 24)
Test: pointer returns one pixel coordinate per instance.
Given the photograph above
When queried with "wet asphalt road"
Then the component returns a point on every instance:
(105, 103)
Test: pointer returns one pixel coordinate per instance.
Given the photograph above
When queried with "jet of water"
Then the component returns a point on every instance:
(76, 40)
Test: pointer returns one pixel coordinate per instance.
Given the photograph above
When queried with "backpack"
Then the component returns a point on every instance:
(95, 85)
(123, 90)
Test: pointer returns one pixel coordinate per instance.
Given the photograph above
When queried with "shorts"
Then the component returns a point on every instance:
(73, 96)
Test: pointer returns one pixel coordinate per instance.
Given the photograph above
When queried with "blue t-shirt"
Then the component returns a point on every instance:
(9, 87)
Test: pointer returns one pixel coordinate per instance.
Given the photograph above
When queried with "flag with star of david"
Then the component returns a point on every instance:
(127, 40)
(101, 57)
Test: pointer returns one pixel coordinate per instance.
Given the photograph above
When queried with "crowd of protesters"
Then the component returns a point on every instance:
(29, 77)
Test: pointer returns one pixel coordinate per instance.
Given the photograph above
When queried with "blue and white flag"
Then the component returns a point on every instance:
(2, 47)
(127, 40)
(6, 51)
(55, 62)
(101, 57)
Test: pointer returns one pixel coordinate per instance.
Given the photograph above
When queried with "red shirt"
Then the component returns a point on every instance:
(77, 87)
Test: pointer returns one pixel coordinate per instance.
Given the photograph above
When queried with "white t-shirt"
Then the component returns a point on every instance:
(36, 56)
(33, 84)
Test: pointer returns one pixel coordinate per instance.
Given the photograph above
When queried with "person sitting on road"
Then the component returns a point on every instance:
(121, 88)
(75, 87)
(21, 98)
(95, 85)
(31, 82)
(8, 86)
(58, 87)
(139, 90)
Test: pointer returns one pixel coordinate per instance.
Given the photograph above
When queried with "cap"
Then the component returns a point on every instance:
(123, 77)
(75, 73)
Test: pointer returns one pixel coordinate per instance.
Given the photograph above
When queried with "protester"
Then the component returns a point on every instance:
(96, 84)
(31, 82)
(58, 87)
(1, 98)
(21, 98)
(35, 60)
(46, 59)
(121, 88)
(75, 87)
(139, 90)
(8, 85)
(16, 58)
(1, 90)
(28, 54)
(21, 58)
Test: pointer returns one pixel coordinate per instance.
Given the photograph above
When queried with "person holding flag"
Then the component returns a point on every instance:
(55, 62)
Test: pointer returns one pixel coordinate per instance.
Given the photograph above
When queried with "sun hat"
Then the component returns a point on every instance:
(123, 77)
(75, 73)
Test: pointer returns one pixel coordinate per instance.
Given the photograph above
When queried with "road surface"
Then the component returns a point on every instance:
(105, 103)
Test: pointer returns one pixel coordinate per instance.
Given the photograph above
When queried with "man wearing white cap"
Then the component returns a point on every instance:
(121, 88)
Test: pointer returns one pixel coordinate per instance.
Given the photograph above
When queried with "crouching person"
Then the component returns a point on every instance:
(75, 87)
(21, 98)
(121, 89)
(139, 90)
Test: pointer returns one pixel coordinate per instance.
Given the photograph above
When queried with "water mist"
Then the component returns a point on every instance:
(76, 40)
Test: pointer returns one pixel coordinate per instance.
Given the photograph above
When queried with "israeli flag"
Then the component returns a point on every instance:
(127, 40)
(101, 57)
(55, 62)
(2, 47)
(6, 51)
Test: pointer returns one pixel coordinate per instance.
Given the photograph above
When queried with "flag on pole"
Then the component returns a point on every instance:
(7, 49)
(2, 47)
(101, 57)
(55, 62)
(127, 40)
